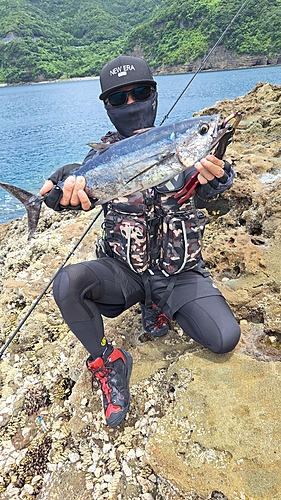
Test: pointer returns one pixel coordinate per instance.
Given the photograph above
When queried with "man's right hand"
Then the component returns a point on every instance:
(73, 192)
(47, 186)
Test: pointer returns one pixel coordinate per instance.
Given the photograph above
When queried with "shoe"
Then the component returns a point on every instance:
(154, 322)
(113, 375)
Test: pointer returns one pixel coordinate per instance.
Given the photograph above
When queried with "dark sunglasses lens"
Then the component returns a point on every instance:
(138, 93)
(141, 93)
(118, 98)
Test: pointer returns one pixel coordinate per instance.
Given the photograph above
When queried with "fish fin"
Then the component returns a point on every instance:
(99, 146)
(33, 215)
(31, 202)
(158, 160)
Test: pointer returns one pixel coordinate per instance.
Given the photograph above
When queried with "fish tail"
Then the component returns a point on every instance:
(31, 202)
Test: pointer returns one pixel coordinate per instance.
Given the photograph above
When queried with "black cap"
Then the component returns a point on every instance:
(122, 71)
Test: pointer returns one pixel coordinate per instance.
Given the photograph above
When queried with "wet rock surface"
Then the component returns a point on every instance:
(200, 426)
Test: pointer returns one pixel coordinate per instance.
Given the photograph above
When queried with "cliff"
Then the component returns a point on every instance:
(200, 426)
(221, 59)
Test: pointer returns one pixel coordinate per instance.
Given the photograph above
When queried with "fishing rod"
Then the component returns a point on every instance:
(49, 284)
(273, 140)
(205, 60)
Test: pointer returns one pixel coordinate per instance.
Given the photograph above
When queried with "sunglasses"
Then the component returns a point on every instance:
(121, 97)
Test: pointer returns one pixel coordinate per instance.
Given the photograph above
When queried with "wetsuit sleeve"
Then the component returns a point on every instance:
(63, 172)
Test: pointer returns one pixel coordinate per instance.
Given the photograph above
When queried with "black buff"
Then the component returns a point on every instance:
(134, 116)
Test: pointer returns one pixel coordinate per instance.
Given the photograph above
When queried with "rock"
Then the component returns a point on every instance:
(213, 436)
(62, 486)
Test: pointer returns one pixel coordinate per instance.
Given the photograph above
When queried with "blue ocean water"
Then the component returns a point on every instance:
(44, 126)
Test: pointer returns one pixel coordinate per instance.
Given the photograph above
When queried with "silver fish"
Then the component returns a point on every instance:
(144, 160)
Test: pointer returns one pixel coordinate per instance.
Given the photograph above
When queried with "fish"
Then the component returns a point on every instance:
(145, 160)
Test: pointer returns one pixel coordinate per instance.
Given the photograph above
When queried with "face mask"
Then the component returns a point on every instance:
(134, 116)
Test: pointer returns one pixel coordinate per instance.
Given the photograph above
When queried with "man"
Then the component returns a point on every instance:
(150, 252)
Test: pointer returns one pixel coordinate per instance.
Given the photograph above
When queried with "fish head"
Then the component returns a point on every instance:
(197, 138)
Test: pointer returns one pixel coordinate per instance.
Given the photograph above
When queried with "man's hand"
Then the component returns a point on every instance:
(47, 186)
(209, 168)
(73, 192)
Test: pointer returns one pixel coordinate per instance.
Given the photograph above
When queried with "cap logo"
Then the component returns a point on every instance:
(122, 70)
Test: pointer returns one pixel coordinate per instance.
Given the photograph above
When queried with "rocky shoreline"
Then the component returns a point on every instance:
(200, 426)
(222, 59)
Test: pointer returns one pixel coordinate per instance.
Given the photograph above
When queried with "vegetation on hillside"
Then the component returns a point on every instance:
(50, 39)
(195, 26)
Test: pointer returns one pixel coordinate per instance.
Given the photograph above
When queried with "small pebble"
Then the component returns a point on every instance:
(12, 491)
(95, 456)
(28, 488)
(73, 457)
(272, 338)
(51, 467)
(6, 409)
(126, 469)
(36, 479)
(131, 455)
(25, 431)
(106, 447)
(139, 452)
(97, 472)
(108, 478)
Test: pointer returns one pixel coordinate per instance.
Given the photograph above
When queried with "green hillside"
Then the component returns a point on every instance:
(184, 31)
(48, 39)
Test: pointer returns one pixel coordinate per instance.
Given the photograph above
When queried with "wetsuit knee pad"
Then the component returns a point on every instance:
(74, 281)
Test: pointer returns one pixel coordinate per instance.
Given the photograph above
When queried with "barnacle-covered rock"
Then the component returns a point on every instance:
(36, 398)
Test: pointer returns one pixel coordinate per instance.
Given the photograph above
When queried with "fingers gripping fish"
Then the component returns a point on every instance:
(136, 163)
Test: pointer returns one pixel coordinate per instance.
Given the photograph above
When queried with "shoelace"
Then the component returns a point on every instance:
(161, 320)
(103, 379)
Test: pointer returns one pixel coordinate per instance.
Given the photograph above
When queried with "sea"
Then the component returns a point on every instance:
(44, 126)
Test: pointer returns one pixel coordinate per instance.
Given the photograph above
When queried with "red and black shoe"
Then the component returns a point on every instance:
(113, 375)
(154, 322)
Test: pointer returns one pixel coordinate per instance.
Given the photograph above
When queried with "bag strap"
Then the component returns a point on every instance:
(147, 288)
(168, 290)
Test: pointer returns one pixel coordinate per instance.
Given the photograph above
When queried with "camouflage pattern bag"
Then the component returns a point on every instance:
(149, 228)
(182, 230)
(128, 231)
(181, 247)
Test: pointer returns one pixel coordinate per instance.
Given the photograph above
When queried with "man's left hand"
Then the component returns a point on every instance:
(209, 168)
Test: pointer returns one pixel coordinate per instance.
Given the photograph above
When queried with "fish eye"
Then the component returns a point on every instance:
(204, 129)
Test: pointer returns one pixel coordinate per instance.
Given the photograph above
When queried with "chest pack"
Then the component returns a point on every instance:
(149, 229)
